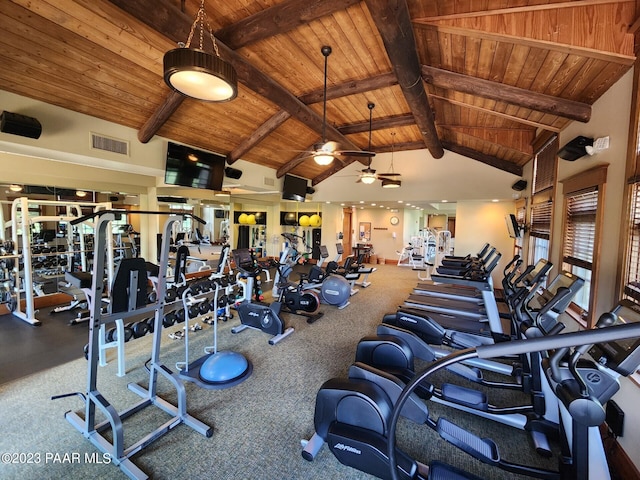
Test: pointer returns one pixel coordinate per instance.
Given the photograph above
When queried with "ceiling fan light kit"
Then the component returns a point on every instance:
(197, 73)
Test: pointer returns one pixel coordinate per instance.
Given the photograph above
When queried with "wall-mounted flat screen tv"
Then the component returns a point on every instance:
(294, 188)
(512, 226)
(189, 167)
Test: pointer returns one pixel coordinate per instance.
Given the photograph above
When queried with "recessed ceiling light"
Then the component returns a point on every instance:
(361, 201)
(400, 201)
(373, 204)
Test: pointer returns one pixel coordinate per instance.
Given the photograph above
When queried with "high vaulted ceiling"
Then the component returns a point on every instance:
(476, 77)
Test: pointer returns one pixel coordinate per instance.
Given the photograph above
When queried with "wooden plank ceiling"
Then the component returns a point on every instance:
(477, 77)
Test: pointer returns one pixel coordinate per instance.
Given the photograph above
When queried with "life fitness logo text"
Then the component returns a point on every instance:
(347, 448)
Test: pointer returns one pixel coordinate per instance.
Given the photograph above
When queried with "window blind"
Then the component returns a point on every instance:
(544, 167)
(541, 220)
(632, 272)
(580, 230)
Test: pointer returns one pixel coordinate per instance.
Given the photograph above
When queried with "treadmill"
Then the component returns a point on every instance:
(446, 329)
(485, 309)
(450, 290)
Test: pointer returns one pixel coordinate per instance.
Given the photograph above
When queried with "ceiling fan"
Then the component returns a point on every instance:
(326, 151)
(369, 175)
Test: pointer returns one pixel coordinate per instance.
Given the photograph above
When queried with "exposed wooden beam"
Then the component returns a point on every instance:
(258, 135)
(506, 93)
(399, 147)
(378, 124)
(327, 173)
(487, 159)
(279, 18)
(511, 10)
(394, 24)
(166, 18)
(498, 114)
(351, 87)
(160, 116)
(291, 164)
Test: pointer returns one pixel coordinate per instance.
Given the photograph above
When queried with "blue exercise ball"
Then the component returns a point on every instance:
(223, 367)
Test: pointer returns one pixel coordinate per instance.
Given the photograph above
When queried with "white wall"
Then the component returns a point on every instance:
(610, 116)
(480, 222)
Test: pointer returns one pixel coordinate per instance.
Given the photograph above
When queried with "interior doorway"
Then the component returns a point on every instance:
(347, 231)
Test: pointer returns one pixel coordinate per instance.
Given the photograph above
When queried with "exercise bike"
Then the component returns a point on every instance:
(330, 289)
(293, 297)
(258, 316)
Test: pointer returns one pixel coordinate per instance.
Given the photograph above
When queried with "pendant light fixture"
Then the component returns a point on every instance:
(369, 174)
(390, 182)
(197, 73)
(323, 155)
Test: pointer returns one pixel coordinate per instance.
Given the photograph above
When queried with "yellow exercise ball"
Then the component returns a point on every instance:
(304, 220)
(243, 218)
(315, 220)
(251, 219)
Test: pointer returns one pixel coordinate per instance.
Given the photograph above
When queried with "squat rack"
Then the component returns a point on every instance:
(132, 301)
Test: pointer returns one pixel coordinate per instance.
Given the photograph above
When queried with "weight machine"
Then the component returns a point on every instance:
(20, 225)
(129, 298)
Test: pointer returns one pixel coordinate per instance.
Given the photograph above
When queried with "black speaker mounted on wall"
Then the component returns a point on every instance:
(519, 185)
(17, 124)
(575, 149)
(232, 173)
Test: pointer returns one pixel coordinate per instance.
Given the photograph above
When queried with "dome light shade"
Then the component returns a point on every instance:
(389, 183)
(201, 75)
(368, 178)
(323, 158)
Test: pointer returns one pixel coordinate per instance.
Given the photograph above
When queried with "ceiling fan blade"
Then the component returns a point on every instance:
(356, 153)
(389, 174)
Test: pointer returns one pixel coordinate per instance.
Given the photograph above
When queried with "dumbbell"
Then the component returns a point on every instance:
(196, 289)
(169, 319)
(204, 308)
(140, 329)
(171, 295)
(180, 315)
(151, 324)
(180, 290)
(152, 297)
(112, 334)
(194, 310)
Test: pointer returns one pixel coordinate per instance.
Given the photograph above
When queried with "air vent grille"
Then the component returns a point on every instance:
(108, 144)
(270, 182)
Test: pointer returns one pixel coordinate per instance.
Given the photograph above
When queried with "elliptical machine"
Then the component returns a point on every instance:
(258, 316)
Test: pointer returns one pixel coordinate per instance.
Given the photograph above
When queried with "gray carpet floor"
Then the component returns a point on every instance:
(258, 425)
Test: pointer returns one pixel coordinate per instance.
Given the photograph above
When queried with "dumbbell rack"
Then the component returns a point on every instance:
(135, 304)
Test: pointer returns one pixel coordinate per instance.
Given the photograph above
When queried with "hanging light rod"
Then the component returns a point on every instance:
(197, 73)
(324, 152)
